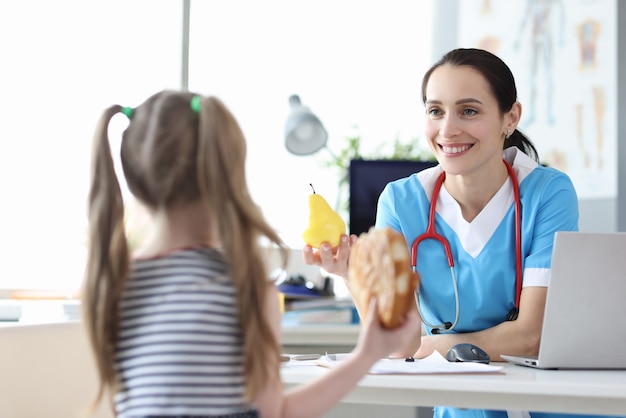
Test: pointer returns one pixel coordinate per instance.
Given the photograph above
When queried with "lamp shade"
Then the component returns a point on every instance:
(304, 133)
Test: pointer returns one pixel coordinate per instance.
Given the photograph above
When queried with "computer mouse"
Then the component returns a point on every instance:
(467, 352)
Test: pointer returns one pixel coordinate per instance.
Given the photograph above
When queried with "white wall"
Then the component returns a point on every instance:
(596, 214)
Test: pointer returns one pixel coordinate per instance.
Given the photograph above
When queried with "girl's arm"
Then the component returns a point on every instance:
(317, 397)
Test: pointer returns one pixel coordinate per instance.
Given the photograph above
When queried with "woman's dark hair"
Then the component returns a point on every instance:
(501, 82)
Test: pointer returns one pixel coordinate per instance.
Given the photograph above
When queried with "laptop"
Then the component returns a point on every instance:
(584, 323)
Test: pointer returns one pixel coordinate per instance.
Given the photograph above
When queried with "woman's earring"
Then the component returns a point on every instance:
(508, 134)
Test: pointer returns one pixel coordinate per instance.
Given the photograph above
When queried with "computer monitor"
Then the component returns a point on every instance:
(367, 179)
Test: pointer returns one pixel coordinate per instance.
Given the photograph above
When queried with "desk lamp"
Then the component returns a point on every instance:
(304, 133)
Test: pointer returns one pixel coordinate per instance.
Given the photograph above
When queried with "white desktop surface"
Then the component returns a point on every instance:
(516, 388)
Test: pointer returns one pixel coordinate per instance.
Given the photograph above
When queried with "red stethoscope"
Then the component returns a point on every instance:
(431, 233)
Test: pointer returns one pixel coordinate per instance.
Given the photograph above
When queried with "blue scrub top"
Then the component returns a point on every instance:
(484, 249)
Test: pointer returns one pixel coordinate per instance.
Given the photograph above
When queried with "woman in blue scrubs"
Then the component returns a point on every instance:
(472, 114)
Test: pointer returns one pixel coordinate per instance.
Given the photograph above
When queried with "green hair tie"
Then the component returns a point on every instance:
(128, 111)
(195, 104)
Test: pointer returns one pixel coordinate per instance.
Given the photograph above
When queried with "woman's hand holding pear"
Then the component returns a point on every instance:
(325, 225)
(327, 244)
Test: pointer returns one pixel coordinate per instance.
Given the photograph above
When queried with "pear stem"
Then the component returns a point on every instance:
(311, 184)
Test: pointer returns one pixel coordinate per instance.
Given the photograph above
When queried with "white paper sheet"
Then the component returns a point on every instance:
(435, 363)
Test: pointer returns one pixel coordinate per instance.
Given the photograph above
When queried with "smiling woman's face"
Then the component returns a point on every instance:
(464, 126)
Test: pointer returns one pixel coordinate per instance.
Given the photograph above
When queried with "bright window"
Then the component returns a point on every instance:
(63, 63)
(354, 63)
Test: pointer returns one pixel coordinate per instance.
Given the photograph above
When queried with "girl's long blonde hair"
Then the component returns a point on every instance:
(172, 154)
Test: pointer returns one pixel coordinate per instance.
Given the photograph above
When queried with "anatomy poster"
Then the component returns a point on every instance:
(563, 56)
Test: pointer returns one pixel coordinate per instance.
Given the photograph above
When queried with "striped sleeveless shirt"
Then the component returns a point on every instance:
(180, 344)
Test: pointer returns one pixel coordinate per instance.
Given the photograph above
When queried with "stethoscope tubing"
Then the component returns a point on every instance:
(437, 329)
(431, 233)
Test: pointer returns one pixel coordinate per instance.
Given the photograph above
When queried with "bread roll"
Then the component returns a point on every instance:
(380, 266)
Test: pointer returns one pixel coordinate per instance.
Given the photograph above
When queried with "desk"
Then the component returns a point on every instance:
(516, 388)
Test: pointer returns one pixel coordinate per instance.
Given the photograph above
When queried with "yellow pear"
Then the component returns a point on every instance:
(325, 225)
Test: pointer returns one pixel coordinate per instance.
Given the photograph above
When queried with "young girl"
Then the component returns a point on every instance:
(189, 325)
